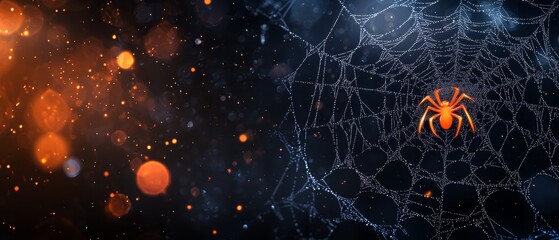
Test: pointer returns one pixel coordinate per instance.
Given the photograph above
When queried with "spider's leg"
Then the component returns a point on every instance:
(428, 98)
(460, 99)
(456, 91)
(467, 115)
(424, 115)
(438, 97)
(459, 124)
(431, 124)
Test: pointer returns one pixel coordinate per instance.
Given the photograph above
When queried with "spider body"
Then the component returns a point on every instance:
(445, 111)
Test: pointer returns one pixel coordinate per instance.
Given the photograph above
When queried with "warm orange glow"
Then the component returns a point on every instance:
(428, 194)
(207, 2)
(106, 173)
(119, 205)
(11, 17)
(193, 69)
(243, 138)
(51, 150)
(214, 232)
(188, 207)
(16, 188)
(50, 111)
(153, 178)
(125, 60)
(239, 208)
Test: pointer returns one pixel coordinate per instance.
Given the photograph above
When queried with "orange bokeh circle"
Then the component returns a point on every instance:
(119, 205)
(11, 17)
(51, 150)
(153, 178)
(50, 111)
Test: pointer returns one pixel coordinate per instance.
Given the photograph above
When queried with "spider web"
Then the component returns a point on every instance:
(356, 163)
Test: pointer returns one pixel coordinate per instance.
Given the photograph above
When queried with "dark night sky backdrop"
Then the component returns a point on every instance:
(327, 94)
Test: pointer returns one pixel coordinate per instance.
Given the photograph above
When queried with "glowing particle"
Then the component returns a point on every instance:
(148, 147)
(153, 178)
(214, 232)
(174, 141)
(113, 37)
(207, 2)
(243, 138)
(188, 207)
(16, 188)
(239, 208)
(125, 60)
(106, 173)
(192, 69)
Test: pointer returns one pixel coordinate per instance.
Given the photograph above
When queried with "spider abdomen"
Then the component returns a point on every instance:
(445, 119)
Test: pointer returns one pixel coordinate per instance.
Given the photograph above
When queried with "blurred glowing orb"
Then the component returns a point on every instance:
(72, 167)
(11, 17)
(51, 151)
(153, 178)
(118, 137)
(50, 111)
(243, 138)
(33, 21)
(162, 41)
(119, 205)
(125, 60)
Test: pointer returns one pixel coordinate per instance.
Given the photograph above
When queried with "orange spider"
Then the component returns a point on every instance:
(445, 111)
